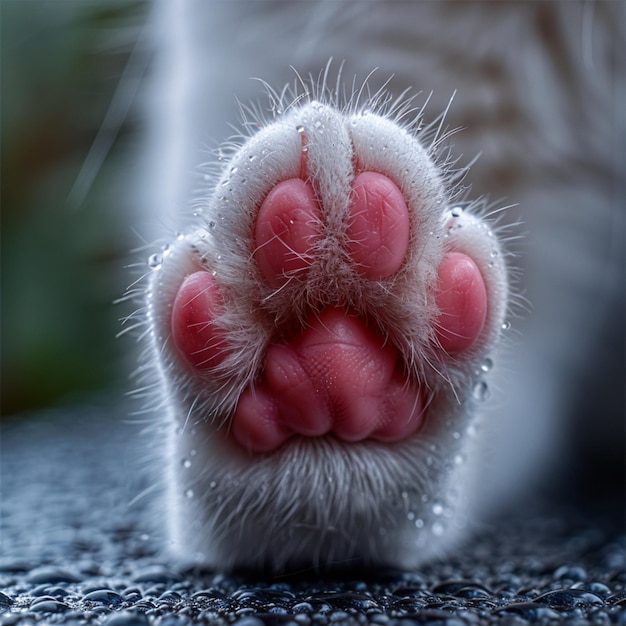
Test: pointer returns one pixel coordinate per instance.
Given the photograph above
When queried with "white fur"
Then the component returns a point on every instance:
(322, 502)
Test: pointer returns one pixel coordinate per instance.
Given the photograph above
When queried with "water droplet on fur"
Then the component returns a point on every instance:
(459, 459)
(226, 182)
(155, 261)
(252, 157)
(437, 509)
(189, 493)
(180, 236)
(456, 211)
(211, 225)
(318, 124)
(506, 325)
(410, 515)
(206, 176)
(438, 529)
(300, 129)
(186, 463)
(494, 254)
(212, 484)
(486, 365)
(481, 391)
(193, 452)
(419, 523)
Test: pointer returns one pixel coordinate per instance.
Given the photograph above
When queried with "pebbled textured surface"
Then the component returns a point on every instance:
(76, 547)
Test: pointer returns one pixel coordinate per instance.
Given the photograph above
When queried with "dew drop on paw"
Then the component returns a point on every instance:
(481, 391)
(300, 129)
(155, 261)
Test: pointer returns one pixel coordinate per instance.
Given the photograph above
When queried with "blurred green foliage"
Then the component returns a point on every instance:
(63, 262)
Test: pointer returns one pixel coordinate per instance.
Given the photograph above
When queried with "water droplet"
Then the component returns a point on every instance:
(438, 529)
(437, 509)
(481, 391)
(506, 325)
(186, 463)
(252, 157)
(155, 261)
(456, 435)
(419, 523)
(211, 225)
(206, 176)
(456, 211)
(218, 257)
(300, 129)
(486, 365)
(193, 452)
(459, 459)
(494, 254)
(189, 493)
(410, 515)
(180, 236)
(226, 182)
(425, 497)
(305, 148)
(212, 484)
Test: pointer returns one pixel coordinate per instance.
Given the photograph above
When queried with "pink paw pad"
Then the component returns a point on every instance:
(287, 227)
(462, 302)
(193, 311)
(379, 228)
(339, 377)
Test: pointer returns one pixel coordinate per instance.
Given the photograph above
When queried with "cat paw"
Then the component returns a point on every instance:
(321, 336)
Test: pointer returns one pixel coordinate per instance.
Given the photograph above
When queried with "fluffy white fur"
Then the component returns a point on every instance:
(318, 503)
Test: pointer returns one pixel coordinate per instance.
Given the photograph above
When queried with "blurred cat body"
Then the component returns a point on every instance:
(533, 88)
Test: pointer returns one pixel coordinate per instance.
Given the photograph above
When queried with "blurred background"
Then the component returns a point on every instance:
(67, 215)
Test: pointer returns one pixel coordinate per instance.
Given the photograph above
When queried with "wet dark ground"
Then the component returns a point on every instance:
(76, 548)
